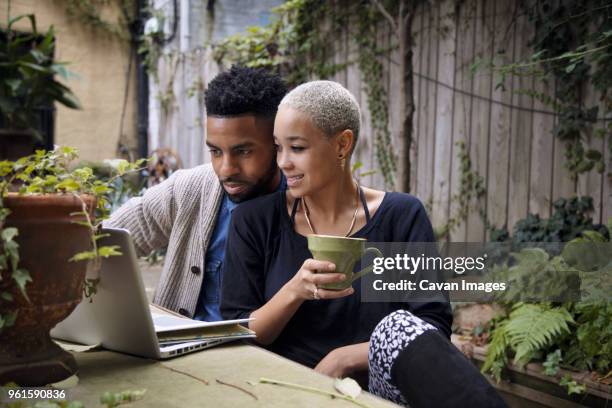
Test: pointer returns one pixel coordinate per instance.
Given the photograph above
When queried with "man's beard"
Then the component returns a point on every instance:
(253, 189)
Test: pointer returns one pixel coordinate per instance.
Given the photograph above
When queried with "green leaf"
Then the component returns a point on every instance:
(122, 166)
(593, 154)
(21, 278)
(114, 399)
(14, 84)
(551, 365)
(83, 256)
(31, 17)
(100, 236)
(83, 173)
(7, 320)
(5, 168)
(69, 100)
(107, 251)
(100, 189)
(68, 185)
(572, 386)
(9, 233)
(69, 152)
(532, 327)
(32, 66)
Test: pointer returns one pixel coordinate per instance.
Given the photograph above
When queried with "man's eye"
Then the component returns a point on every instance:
(244, 152)
(215, 152)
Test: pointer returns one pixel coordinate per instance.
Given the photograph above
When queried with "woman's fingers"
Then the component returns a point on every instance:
(316, 273)
(322, 266)
(334, 294)
(323, 278)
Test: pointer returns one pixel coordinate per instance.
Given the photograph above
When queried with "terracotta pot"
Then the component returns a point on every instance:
(48, 238)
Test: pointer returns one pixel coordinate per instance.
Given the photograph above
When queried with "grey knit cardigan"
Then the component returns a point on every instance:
(180, 214)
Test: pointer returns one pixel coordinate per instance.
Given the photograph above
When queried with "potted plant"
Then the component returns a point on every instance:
(27, 85)
(49, 218)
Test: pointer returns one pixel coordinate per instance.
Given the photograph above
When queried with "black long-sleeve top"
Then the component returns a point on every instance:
(264, 252)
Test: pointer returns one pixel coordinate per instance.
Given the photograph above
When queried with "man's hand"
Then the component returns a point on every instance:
(343, 361)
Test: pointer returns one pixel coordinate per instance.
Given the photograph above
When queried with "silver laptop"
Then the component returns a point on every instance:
(119, 317)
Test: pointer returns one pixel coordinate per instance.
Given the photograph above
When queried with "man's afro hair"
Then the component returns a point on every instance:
(243, 90)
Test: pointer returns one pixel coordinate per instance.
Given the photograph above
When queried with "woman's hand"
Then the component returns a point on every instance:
(273, 316)
(305, 284)
(344, 361)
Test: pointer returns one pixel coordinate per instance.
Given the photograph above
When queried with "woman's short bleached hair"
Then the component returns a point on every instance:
(330, 105)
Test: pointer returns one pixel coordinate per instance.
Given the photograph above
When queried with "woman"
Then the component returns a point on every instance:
(269, 274)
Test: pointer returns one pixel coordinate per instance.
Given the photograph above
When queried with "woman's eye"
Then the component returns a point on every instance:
(297, 148)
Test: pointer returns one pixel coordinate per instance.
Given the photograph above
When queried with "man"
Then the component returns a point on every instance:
(190, 212)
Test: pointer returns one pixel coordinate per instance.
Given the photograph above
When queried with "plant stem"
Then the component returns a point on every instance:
(264, 380)
(174, 370)
(92, 229)
(237, 387)
(557, 58)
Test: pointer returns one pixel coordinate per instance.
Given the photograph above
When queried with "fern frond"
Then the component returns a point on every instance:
(532, 327)
(495, 359)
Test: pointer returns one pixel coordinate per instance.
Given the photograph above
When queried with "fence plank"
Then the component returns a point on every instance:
(417, 85)
(423, 169)
(563, 186)
(386, 39)
(540, 184)
(382, 42)
(501, 117)
(521, 129)
(432, 114)
(466, 20)
(591, 182)
(353, 84)
(444, 114)
(481, 108)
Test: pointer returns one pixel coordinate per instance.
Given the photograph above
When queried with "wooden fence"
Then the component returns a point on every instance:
(507, 133)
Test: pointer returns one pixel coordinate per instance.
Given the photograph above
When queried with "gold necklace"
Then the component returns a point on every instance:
(307, 214)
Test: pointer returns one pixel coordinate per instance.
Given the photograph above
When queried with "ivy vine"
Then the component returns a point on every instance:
(471, 190)
(372, 73)
(89, 13)
(294, 44)
(563, 29)
(572, 44)
(297, 45)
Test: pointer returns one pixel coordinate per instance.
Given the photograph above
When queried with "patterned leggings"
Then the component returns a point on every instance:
(411, 363)
(392, 335)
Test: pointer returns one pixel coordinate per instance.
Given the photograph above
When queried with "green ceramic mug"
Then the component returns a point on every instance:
(343, 252)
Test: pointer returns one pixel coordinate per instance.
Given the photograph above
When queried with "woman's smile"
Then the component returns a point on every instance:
(294, 181)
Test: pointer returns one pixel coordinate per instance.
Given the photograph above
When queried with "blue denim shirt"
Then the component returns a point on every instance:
(208, 303)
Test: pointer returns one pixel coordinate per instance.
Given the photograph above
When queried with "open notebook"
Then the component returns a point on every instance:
(120, 318)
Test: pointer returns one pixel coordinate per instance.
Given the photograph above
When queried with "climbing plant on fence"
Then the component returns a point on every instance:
(297, 44)
(573, 45)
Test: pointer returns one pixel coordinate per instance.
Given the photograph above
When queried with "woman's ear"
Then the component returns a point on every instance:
(344, 143)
